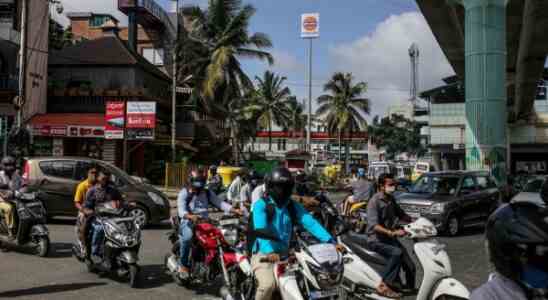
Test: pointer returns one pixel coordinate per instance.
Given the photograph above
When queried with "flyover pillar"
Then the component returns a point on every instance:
(485, 82)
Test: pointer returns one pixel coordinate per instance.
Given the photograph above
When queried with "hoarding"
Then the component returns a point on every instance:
(310, 25)
(141, 120)
(114, 120)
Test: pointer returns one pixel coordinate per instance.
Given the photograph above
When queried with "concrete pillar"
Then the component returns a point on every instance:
(132, 30)
(485, 79)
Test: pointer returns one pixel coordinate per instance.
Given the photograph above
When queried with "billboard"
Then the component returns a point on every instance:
(114, 120)
(141, 120)
(310, 25)
(36, 75)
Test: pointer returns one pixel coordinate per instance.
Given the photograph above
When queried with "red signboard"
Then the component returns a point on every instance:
(141, 120)
(47, 130)
(114, 120)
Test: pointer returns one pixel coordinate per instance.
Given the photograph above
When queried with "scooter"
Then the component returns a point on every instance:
(363, 267)
(30, 221)
(120, 245)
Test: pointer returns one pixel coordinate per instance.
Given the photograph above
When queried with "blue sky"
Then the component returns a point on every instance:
(369, 38)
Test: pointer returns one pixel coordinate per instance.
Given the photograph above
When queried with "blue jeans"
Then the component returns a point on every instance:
(185, 240)
(397, 257)
(97, 238)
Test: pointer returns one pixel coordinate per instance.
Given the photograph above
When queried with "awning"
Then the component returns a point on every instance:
(69, 125)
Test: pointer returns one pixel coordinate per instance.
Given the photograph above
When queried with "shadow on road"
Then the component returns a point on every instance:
(60, 250)
(153, 276)
(161, 226)
(49, 289)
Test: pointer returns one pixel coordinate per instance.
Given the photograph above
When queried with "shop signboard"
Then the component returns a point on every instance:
(310, 25)
(141, 120)
(114, 120)
(86, 131)
(50, 130)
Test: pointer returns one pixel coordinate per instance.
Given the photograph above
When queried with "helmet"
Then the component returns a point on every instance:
(361, 172)
(279, 185)
(517, 241)
(8, 164)
(197, 182)
(213, 168)
(254, 177)
(300, 175)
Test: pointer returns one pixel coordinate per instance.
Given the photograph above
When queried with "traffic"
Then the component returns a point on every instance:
(278, 237)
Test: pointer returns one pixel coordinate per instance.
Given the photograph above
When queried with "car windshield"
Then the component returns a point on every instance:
(440, 185)
(533, 186)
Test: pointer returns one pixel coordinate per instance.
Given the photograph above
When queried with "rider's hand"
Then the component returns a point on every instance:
(340, 248)
(237, 211)
(399, 233)
(273, 257)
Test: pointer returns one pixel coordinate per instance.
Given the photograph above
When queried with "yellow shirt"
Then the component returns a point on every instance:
(81, 191)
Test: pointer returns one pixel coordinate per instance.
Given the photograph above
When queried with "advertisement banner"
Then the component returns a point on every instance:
(141, 120)
(114, 120)
(310, 26)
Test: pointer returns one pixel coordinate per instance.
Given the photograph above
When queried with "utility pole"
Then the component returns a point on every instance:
(22, 63)
(174, 87)
(308, 138)
(310, 29)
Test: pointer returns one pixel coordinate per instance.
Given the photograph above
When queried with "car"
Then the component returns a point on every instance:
(452, 200)
(531, 191)
(56, 178)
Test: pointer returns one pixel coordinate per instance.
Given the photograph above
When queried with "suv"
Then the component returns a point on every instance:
(452, 200)
(57, 177)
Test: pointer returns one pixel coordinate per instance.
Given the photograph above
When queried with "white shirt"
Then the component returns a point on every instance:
(233, 193)
(257, 194)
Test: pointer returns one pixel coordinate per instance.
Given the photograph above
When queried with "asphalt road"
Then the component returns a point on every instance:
(60, 276)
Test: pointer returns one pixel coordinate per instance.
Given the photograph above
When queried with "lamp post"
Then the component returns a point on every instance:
(174, 87)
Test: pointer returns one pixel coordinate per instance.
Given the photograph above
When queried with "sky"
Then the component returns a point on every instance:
(369, 38)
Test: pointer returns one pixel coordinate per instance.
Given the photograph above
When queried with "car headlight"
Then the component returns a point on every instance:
(437, 208)
(159, 200)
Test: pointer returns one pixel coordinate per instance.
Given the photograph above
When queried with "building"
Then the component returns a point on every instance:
(528, 141)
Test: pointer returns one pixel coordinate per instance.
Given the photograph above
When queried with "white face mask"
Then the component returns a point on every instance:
(390, 189)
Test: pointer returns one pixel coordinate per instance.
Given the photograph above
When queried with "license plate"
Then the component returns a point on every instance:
(226, 222)
(323, 294)
(414, 215)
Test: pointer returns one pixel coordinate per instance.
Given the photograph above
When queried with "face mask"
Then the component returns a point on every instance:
(534, 277)
(390, 189)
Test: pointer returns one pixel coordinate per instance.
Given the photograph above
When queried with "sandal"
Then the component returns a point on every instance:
(386, 291)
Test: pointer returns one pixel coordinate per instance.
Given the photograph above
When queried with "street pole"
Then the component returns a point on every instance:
(174, 87)
(308, 140)
(22, 62)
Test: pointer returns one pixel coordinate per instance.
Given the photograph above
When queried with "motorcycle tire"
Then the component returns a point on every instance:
(134, 278)
(42, 246)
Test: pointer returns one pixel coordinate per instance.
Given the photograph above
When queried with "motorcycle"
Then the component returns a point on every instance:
(363, 267)
(217, 248)
(30, 224)
(328, 215)
(120, 245)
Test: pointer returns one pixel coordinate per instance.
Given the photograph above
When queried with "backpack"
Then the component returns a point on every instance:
(270, 210)
(191, 195)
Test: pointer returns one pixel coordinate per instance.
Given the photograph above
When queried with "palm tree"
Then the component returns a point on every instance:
(297, 121)
(274, 99)
(218, 37)
(343, 107)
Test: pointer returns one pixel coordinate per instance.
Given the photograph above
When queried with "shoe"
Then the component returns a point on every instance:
(96, 259)
(184, 272)
(385, 291)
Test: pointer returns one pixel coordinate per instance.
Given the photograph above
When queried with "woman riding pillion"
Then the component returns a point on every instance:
(276, 213)
(193, 203)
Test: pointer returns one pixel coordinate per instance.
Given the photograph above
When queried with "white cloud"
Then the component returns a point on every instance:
(95, 6)
(381, 58)
(284, 62)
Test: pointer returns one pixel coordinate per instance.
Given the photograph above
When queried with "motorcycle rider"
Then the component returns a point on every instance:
(192, 204)
(362, 190)
(79, 199)
(382, 215)
(10, 181)
(215, 182)
(301, 188)
(276, 212)
(102, 192)
(517, 245)
(234, 190)
(252, 181)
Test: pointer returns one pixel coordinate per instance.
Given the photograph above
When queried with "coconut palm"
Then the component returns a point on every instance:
(297, 118)
(343, 107)
(273, 98)
(212, 47)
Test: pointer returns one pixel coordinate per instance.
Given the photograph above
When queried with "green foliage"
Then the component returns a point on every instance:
(396, 134)
(58, 36)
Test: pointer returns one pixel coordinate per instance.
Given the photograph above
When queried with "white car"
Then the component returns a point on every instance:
(531, 192)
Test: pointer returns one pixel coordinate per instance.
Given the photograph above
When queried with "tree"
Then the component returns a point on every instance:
(343, 107)
(298, 119)
(273, 99)
(211, 49)
(58, 36)
(397, 135)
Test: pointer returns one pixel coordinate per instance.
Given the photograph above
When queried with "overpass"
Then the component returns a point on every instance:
(499, 48)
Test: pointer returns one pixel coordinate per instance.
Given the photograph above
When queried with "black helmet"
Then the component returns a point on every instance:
(253, 177)
(8, 163)
(198, 182)
(279, 185)
(517, 238)
(213, 168)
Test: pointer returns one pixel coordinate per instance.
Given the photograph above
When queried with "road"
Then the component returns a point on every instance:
(59, 277)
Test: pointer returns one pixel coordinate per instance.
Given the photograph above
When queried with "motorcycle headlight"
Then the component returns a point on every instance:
(437, 208)
(327, 278)
(230, 236)
(110, 230)
(159, 200)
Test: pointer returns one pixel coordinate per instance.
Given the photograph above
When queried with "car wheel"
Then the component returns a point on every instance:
(140, 214)
(453, 225)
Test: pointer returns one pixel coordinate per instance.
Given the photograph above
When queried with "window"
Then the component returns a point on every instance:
(58, 168)
(98, 20)
(154, 55)
(81, 172)
(468, 185)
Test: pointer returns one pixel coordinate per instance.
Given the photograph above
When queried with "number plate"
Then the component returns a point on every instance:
(226, 222)
(414, 215)
(323, 294)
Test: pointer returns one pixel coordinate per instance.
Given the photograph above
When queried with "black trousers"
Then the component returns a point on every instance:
(397, 257)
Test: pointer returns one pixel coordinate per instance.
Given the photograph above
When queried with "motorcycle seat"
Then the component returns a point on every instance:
(358, 244)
